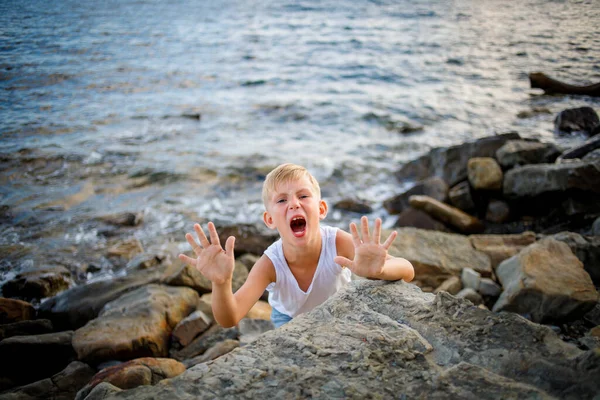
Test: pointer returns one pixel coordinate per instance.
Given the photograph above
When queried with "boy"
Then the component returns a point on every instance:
(307, 265)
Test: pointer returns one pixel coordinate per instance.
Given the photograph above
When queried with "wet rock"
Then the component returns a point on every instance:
(497, 212)
(126, 249)
(134, 373)
(414, 218)
(522, 152)
(353, 205)
(535, 180)
(592, 155)
(208, 339)
(13, 310)
(128, 219)
(581, 150)
(418, 344)
(24, 328)
(137, 324)
(62, 386)
(470, 278)
(501, 247)
(484, 173)
(189, 276)
(251, 329)
(436, 256)
(460, 196)
(38, 284)
(450, 163)
(533, 284)
(433, 187)
(248, 238)
(75, 307)
(449, 215)
(596, 227)
(487, 287)
(144, 261)
(190, 327)
(582, 119)
(214, 352)
(452, 285)
(587, 250)
(27, 359)
(471, 295)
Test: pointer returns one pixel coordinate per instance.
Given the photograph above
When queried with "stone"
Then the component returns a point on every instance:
(436, 256)
(433, 187)
(188, 328)
(189, 276)
(539, 179)
(546, 281)
(249, 238)
(411, 217)
(484, 173)
(126, 249)
(450, 164)
(594, 155)
(587, 250)
(460, 196)
(393, 341)
(501, 247)
(449, 215)
(488, 287)
(260, 310)
(219, 349)
(452, 285)
(134, 373)
(24, 328)
(27, 359)
(137, 324)
(38, 284)
(582, 119)
(128, 219)
(470, 278)
(248, 260)
(471, 295)
(497, 212)
(103, 390)
(13, 310)
(582, 150)
(354, 205)
(208, 339)
(62, 386)
(523, 152)
(251, 329)
(75, 307)
(596, 227)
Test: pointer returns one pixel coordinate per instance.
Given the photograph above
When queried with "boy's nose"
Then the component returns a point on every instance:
(294, 204)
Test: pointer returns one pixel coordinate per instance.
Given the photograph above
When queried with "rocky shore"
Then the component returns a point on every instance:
(504, 235)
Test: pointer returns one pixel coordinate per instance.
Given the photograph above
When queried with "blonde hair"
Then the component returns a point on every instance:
(287, 173)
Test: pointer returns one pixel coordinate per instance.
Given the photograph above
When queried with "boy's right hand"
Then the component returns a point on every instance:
(212, 261)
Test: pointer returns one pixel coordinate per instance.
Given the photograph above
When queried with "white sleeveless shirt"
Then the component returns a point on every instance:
(285, 294)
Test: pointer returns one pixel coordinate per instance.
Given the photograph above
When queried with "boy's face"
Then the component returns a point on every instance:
(294, 209)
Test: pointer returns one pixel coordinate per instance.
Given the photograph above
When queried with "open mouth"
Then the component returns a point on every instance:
(298, 225)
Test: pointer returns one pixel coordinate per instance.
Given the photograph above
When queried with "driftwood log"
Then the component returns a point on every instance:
(540, 80)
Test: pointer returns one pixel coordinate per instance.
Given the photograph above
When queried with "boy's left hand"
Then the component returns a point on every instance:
(369, 253)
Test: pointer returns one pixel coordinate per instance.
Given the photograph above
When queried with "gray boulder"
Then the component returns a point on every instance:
(587, 250)
(390, 340)
(433, 187)
(523, 152)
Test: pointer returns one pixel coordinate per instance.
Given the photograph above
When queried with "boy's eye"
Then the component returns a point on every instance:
(304, 196)
(280, 200)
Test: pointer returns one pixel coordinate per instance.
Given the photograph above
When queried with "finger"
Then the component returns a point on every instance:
(190, 239)
(377, 231)
(229, 246)
(214, 236)
(364, 224)
(188, 260)
(355, 238)
(343, 261)
(390, 240)
(201, 236)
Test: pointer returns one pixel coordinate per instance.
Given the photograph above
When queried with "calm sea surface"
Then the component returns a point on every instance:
(177, 109)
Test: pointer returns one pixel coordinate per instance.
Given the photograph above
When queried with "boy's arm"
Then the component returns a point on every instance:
(367, 257)
(229, 308)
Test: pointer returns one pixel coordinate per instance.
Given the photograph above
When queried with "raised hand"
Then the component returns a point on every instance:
(369, 254)
(212, 261)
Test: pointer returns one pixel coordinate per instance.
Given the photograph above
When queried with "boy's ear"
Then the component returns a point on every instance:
(268, 220)
(322, 209)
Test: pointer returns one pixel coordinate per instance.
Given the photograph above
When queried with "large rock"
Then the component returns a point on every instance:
(28, 359)
(547, 282)
(38, 284)
(62, 386)
(208, 339)
(251, 239)
(582, 119)
(449, 215)
(411, 217)
(437, 256)
(189, 276)
(190, 327)
(523, 152)
(138, 324)
(450, 163)
(390, 340)
(75, 307)
(535, 180)
(484, 173)
(587, 250)
(582, 150)
(433, 187)
(134, 373)
(501, 247)
(24, 328)
(13, 310)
